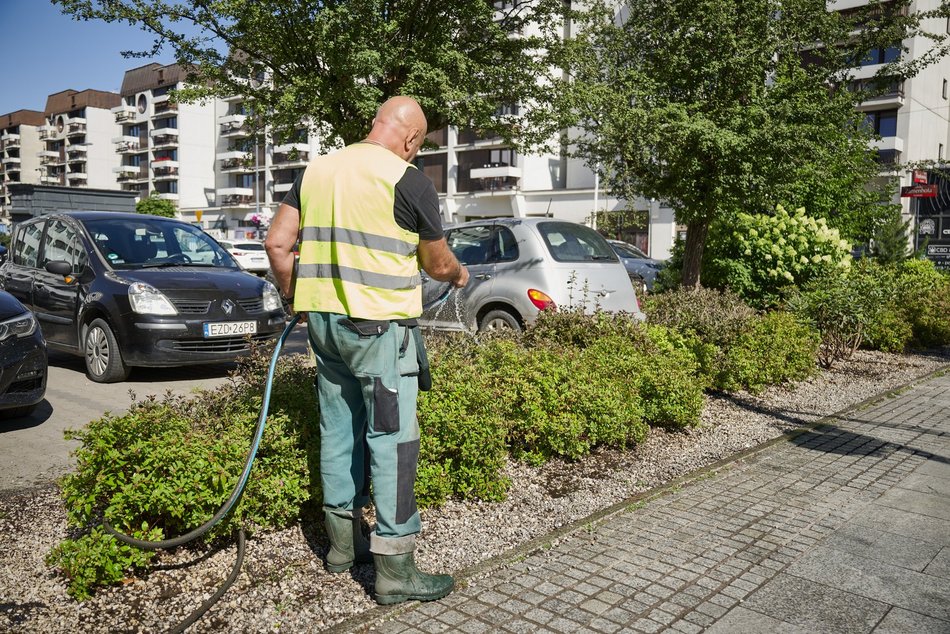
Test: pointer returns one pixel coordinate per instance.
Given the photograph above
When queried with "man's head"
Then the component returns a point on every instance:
(400, 126)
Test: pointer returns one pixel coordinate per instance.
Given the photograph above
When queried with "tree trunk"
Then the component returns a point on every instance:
(696, 232)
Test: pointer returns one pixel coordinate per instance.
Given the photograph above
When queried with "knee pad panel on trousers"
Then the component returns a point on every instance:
(407, 460)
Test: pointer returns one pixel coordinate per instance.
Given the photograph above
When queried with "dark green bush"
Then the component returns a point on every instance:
(716, 317)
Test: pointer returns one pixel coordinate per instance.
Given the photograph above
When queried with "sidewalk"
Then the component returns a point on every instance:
(844, 528)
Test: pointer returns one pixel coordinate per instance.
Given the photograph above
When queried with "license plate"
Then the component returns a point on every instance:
(230, 328)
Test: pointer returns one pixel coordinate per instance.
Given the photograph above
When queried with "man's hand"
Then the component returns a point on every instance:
(440, 263)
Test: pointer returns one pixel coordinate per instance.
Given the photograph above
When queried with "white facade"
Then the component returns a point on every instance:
(19, 147)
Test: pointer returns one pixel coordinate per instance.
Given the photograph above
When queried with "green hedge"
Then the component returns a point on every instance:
(570, 384)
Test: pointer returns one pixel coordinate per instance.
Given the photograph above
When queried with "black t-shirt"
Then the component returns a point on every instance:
(415, 209)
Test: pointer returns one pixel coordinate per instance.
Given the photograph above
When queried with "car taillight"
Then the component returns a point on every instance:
(541, 300)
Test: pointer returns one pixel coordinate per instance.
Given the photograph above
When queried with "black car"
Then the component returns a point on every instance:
(22, 359)
(128, 290)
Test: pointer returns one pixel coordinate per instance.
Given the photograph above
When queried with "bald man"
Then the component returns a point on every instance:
(367, 220)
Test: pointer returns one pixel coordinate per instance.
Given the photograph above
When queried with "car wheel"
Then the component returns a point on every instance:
(499, 321)
(104, 362)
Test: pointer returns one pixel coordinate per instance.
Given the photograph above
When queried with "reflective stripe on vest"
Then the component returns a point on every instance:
(354, 258)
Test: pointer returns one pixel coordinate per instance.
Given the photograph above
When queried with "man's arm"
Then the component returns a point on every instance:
(440, 263)
(280, 242)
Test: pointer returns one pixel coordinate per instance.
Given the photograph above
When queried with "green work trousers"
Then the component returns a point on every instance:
(367, 386)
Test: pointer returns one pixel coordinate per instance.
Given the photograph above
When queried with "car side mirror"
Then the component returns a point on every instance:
(59, 267)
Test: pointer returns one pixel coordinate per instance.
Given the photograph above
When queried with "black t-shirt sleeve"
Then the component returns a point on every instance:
(416, 207)
(292, 197)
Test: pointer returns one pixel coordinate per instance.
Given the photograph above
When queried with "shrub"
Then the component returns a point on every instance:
(839, 306)
(922, 296)
(164, 467)
(716, 317)
(776, 348)
(762, 257)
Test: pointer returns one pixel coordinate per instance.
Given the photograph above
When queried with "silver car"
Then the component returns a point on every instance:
(520, 266)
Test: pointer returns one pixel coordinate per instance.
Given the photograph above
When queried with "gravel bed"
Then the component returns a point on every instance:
(283, 585)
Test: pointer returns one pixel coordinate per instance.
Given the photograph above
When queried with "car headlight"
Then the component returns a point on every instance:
(148, 300)
(271, 297)
(20, 326)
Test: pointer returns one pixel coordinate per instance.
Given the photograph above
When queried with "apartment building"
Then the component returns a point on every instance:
(164, 147)
(913, 121)
(252, 173)
(75, 140)
(19, 148)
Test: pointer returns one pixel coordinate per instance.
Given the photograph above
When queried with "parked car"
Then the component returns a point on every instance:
(520, 266)
(23, 360)
(641, 267)
(125, 290)
(249, 253)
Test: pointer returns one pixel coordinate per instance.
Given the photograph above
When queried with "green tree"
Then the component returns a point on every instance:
(722, 106)
(331, 64)
(156, 206)
(891, 244)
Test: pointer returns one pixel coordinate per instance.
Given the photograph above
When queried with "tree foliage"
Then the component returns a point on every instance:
(332, 63)
(722, 106)
(156, 206)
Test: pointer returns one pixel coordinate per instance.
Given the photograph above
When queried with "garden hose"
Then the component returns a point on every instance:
(228, 505)
(167, 544)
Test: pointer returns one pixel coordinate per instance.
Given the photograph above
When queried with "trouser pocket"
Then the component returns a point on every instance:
(385, 407)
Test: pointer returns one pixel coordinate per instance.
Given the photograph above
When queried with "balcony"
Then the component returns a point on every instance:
(280, 188)
(124, 113)
(77, 178)
(51, 180)
(160, 141)
(235, 196)
(48, 157)
(75, 126)
(232, 125)
(173, 196)
(10, 140)
(166, 108)
(235, 161)
(495, 170)
(128, 144)
(164, 169)
(286, 158)
(11, 162)
(889, 143)
(76, 153)
(46, 132)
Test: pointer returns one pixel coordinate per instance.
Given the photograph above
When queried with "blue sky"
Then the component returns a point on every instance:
(45, 52)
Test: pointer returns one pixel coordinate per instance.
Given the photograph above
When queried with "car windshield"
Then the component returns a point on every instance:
(628, 251)
(570, 242)
(153, 242)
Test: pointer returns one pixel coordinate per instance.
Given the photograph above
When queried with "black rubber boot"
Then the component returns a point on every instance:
(348, 545)
(398, 580)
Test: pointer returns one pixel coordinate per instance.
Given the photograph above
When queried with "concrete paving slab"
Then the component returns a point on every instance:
(940, 566)
(876, 580)
(929, 483)
(905, 523)
(929, 504)
(900, 621)
(748, 621)
(816, 607)
(908, 552)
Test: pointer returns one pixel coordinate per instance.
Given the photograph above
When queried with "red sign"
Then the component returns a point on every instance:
(920, 176)
(919, 191)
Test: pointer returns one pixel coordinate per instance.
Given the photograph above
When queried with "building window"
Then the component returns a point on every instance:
(881, 55)
(944, 88)
(940, 152)
(883, 122)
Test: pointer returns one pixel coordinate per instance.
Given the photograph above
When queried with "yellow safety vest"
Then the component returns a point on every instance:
(354, 259)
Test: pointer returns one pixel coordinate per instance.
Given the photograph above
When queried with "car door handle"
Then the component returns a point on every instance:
(483, 276)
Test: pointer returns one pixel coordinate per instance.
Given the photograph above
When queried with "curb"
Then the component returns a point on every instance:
(365, 621)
